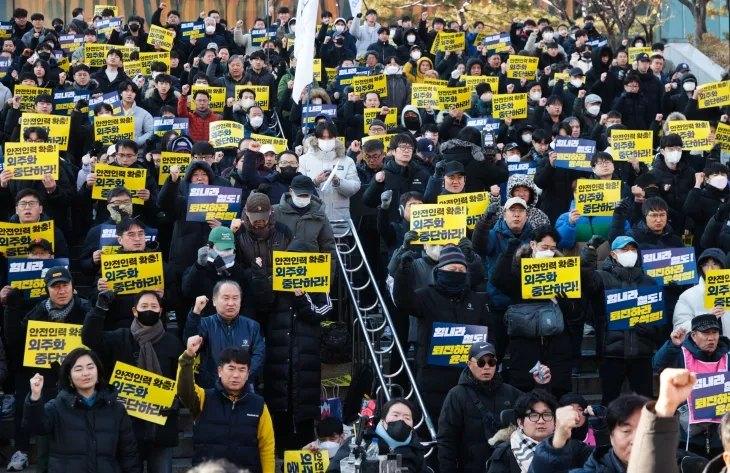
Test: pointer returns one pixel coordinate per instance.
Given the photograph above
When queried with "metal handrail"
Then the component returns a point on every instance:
(372, 334)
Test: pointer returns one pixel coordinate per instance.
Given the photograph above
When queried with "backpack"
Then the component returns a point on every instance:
(336, 344)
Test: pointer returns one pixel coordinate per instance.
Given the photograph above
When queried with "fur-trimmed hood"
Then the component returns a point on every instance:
(523, 180)
(150, 92)
(502, 435)
(315, 151)
(462, 151)
(525, 251)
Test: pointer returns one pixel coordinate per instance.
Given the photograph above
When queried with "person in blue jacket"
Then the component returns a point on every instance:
(225, 329)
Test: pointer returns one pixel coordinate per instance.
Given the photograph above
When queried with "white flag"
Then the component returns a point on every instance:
(304, 45)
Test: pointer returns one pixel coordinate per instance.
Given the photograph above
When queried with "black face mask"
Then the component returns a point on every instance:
(398, 430)
(412, 123)
(288, 173)
(44, 56)
(134, 27)
(650, 192)
(148, 318)
(58, 28)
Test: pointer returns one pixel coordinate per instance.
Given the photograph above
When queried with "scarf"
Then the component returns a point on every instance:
(523, 448)
(145, 338)
(260, 233)
(58, 314)
(203, 115)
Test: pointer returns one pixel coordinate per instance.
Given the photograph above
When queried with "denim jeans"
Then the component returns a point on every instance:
(159, 460)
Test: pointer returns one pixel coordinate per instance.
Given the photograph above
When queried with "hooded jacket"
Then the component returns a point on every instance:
(412, 70)
(535, 216)
(153, 102)
(635, 110)
(651, 87)
(701, 205)
(404, 50)
(691, 302)
(556, 187)
(399, 179)
(311, 226)
(482, 174)
(680, 180)
(364, 34)
(612, 86)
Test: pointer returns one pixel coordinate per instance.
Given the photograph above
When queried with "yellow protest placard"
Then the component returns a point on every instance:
(331, 74)
(160, 36)
(448, 42)
(225, 133)
(438, 224)
(544, 278)
(109, 177)
(169, 159)
(132, 68)
(142, 392)
(637, 144)
(479, 38)
(595, 197)
(633, 52)
(261, 95)
(370, 114)
(317, 69)
(64, 64)
(49, 342)
(15, 237)
(217, 97)
(31, 161)
(28, 93)
(458, 98)
(429, 81)
(425, 95)
(146, 60)
(695, 134)
(509, 105)
(57, 127)
(385, 139)
(476, 203)
(279, 144)
(565, 77)
(717, 288)
(522, 66)
(722, 136)
(95, 54)
(110, 130)
(473, 81)
(361, 85)
(302, 461)
(130, 273)
(98, 9)
(714, 94)
(308, 271)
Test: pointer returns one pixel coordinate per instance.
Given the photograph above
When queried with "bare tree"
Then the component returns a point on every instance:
(698, 8)
(617, 15)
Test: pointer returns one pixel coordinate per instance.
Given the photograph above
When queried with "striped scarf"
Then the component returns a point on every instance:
(523, 448)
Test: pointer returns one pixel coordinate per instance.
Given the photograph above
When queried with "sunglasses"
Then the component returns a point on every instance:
(492, 362)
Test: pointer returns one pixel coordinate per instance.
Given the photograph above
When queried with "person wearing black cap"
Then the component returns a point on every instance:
(449, 178)
(467, 149)
(649, 85)
(471, 411)
(426, 153)
(481, 102)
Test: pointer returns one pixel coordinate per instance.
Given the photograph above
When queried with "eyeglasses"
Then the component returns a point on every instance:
(632, 86)
(405, 148)
(30, 204)
(536, 416)
(603, 163)
(492, 362)
(373, 156)
(656, 215)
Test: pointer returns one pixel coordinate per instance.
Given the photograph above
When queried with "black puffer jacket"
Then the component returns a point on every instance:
(399, 179)
(680, 181)
(96, 439)
(555, 184)
(651, 87)
(700, 206)
(634, 109)
(636, 342)
(463, 433)
(482, 174)
(609, 88)
(250, 246)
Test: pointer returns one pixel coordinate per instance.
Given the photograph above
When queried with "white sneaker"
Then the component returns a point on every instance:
(19, 462)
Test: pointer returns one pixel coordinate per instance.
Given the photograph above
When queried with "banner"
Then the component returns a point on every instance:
(497, 43)
(225, 133)
(142, 392)
(628, 307)
(57, 127)
(109, 177)
(695, 134)
(146, 60)
(458, 98)
(450, 343)
(509, 105)
(363, 84)
(32, 161)
(213, 203)
(487, 124)
(345, 75)
(4, 67)
(308, 271)
(574, 153)
(109, 244)
(6, 29)
(169, 159)
(714, 94)
(64, 101)
(110, 130)
(259, 36)
(709, 400)
(544, 278)
(192, 29)
(473, 81)
(162, 125)
(522, 66)
(671, 264)
(261, 95)
(111, 98)
(425, 95)
(717, 288)
(15, 237)
(448, 42)
(722, 136)
(633, 52)
(28, 93)
(49, 342)
(438, 224)
(370, 114)
(279, 144)
(27, 275)
(71, 42)
(160, 36)
(130, 273)
(528, 167)
(217, 98)
(476, 203)
(594, 198)
(637, 144)
(305, 460)
(385, 139)
(104, 28)
(311, 112)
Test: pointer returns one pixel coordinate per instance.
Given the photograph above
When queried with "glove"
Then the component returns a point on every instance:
(455, 74)
(385, 199)
(203, 256)
(596, 241)
(409, 237)
(723, 212)
(512, 245)
(622, 208)
(105, 299)
(492, 210)
(467, 248)
(14, 296)
(440, 170)
(405, 261)
(81, 104)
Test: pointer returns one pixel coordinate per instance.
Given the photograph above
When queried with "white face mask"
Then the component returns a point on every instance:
(339, 29)
(639, 45)
(544, 254)
(433, 251)
(627, 259)
(292, 28)
(225, 253)
(577, 83)
(689, 86)
(486, 97)
(80, 17)
(256, 121)
(535, 96)
(594, 110)
(547, 37)
(513, 158)
(300, 202)
(527, 139)
(718, 182)
(331, 447)
(390, 70)
(326, 145)
(317, 101)
(428, 135)
(673, 157)
(210, 29)
(411, 38)
(416, 55)
(247, 103)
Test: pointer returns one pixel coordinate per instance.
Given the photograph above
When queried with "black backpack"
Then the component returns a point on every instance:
(336, 345)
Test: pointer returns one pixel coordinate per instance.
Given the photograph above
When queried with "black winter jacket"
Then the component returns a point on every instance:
(680, 181)
(635, 110)
(651, 88)
(249, 246)
(611, 87)
(106, 86)
(482, 174)
(399, 179)
(574, 454)
(555, 184)
(700, 206)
